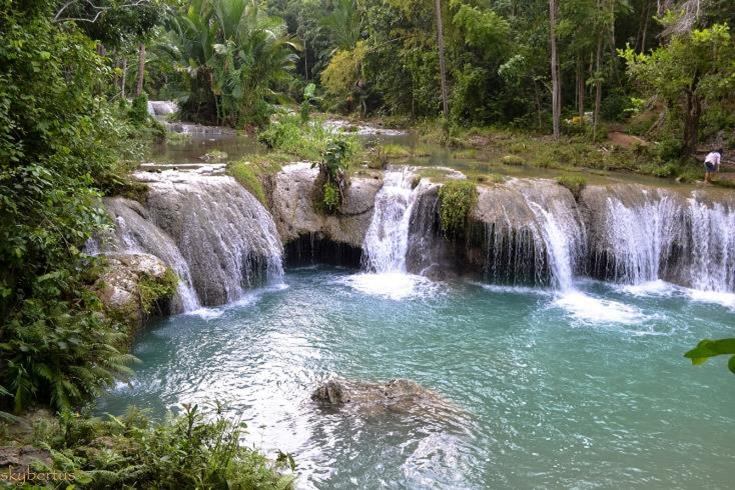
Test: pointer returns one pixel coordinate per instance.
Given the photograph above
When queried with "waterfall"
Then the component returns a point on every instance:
(712, 249)
(219, 239)
(225, 234)
(533, 233)
(641, 235)
(386, 241)
(135, 232)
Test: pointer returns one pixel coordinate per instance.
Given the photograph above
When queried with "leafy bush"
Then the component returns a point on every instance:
(287, 133)
(575, 183)
(186, 451)
(246, 175)
(456, 200)
(512, 160)
(333, 173)
(59, 145)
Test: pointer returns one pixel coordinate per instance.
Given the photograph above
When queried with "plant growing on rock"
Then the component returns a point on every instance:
(575, 183)
(155, 290)
(332, 180)
(457, 198)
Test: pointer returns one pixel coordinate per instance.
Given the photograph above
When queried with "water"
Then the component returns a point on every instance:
(558, 390)
(386, 240)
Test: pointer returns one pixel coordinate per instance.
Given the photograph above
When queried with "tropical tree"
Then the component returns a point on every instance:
(237, 57)
(694, 70)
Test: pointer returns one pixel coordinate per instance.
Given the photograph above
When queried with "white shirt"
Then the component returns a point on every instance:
(713, 157)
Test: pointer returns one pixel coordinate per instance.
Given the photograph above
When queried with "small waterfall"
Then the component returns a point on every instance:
(641, 235)
(712, 248)
(224, 233)
(135, 232)
(218, 238)
(557, 248)
(386, 241)
(559, 227)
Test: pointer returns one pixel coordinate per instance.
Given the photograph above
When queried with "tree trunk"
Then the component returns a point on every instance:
(442, 61)
(691, 122)
(555, 87)
(123, 80)
(598, 89)
(306, 60)
(580, 89)
(141, 70)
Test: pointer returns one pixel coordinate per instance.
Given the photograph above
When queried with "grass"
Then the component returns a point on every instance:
(575, 183)
(251, 173)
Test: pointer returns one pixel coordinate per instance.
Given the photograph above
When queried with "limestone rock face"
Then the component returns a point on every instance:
(23, 457)
(295, 215)
(118, 287)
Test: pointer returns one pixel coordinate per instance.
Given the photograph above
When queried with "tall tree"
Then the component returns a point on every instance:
(442, 60)
(141, 70)
(555, 82)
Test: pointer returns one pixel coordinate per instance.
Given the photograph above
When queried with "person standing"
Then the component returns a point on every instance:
(711, 164)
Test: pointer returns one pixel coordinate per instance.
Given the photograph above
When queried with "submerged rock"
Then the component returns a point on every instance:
(397, 396)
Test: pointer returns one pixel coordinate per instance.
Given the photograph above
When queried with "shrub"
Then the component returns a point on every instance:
(575, 183)
(456, 200)
(154, 291)
(512, 160)
(333, 173)
(246, 174)
(185, 451)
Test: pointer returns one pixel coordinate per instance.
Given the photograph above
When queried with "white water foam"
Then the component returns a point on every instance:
(392, 285)
(588, 309)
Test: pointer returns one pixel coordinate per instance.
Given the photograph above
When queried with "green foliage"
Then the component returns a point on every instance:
(186, 451)
(513, 160)
(333, 173)
(694, 69)
(59, 144)
(575, 183)
(247, 175)
(238, 58)
(154, 290)
(343, 72)
(308, 141)
(332, 199)
(457, 198)
(707, 349)
(139, 111)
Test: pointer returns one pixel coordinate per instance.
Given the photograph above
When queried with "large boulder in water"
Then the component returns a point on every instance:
(295, 214)
(397, 396)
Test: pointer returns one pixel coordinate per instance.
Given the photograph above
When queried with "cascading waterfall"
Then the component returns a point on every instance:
(135, 232)
(712, 248)
(386, 241)
(642, 235)
(533, 233)
(218, 238)
(224, 233)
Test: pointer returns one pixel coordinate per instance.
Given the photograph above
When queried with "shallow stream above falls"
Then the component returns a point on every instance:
(580, 389)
